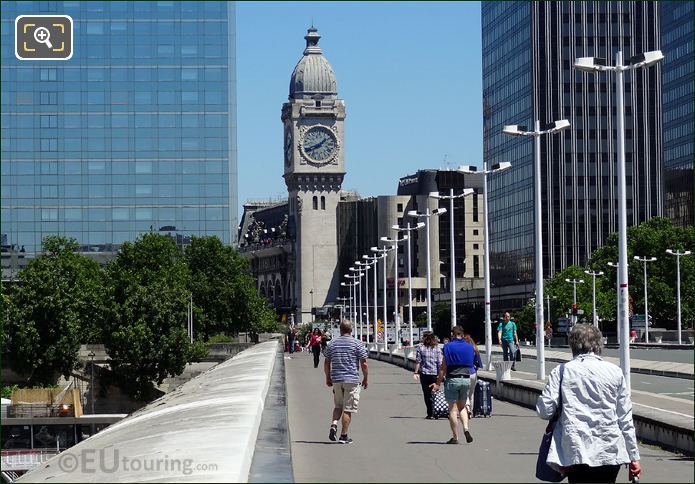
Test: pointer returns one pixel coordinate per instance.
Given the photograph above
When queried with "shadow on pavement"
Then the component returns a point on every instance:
(315, 442)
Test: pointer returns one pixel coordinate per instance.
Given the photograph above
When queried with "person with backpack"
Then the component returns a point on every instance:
(508, 339)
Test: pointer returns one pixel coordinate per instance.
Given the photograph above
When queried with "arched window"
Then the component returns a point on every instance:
(323, 202)
(315, 203)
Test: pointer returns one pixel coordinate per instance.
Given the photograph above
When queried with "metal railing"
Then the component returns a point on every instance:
(30, 410)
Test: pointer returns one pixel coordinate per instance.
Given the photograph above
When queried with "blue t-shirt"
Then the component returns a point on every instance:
(458, 353)
(345, 353)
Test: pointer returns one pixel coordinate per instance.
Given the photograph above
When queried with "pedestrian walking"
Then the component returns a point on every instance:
(548, 332)
(428, 359)
(344, 356)
(315, 345)
(508, 339)
(477, 363)
(594, 434)
(456, 365)
(292, 338)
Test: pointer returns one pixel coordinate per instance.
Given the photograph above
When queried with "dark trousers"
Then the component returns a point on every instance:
(425, 382)
(509, 351)
(583, 473)
(316, 350)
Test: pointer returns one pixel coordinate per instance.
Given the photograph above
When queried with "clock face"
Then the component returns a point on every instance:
(319, 144)
(288, 146)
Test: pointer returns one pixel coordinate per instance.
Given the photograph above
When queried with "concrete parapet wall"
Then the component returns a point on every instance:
(203, 431)
(671, 432)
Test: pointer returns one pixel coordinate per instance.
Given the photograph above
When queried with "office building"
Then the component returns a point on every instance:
(529, 49)
(678, 78)
(135, 133)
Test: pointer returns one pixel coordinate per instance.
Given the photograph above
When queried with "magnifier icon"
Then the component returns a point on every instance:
(43, 36)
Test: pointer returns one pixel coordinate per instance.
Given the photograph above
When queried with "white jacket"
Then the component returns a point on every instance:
(595, 426)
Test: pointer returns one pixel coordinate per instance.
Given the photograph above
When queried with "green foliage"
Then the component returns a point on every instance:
(7, 390)
(651, 239)
(441, 319)
(224, 290)
(220, 338)
(525, 320)
(147, 335)
(56, 304)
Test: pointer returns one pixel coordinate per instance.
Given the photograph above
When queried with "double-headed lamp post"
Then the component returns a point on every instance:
(678, 255)
(407, 229)
(452, 256)
(597, 64)
(574, 283)
(344, 306)
(382, 255)
(353, 290)
(517, 130)
(496, 168)
(374, 260)
(396, 319)
(644, 261)
(358, 290)
(593, 275)
(366, 266)
(426, 216)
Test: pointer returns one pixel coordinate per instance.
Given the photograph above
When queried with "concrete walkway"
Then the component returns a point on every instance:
(394, 443)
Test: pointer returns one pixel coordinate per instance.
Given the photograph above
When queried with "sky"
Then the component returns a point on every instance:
(410, 74)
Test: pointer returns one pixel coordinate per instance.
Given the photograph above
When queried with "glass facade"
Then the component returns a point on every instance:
(135, 133)
(677, 19)
(531, 47)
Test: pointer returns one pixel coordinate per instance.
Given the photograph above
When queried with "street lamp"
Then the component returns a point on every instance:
(408, 229)
(618, 328)
(382, 255)
(497, 167)
(396, 318)
(358, 317)
(346, 305)
(374, 260)
(574, 283)
(353, 291)
(678, 284)
(366, 266)
(593, 275)
(517, 130)
(426, 216)
(452, 275)
(597, 64)
(644, 260)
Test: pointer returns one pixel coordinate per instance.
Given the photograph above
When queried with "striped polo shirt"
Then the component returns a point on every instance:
(345, 353)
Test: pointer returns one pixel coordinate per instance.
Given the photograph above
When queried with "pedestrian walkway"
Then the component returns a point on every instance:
(394, 442)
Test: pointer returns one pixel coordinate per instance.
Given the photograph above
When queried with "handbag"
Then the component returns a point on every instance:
(517, 354)
(543, 471)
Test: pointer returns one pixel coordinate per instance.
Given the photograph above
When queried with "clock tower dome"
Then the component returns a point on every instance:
(313, 120)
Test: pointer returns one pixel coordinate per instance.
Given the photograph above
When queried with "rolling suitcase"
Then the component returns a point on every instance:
(482, 400)
(439, 406)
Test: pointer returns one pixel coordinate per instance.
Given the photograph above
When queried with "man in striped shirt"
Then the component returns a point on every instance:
(343, 356)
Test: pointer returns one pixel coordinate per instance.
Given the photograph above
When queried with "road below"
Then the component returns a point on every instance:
(394, 443)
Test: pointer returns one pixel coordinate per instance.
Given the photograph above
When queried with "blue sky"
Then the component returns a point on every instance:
(409, 72)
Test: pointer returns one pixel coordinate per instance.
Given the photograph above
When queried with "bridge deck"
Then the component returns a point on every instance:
(394, 443)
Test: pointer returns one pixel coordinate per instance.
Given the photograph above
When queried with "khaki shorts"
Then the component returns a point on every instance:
(346, 396)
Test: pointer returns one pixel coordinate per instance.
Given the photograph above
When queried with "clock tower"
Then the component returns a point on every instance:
(314, 150)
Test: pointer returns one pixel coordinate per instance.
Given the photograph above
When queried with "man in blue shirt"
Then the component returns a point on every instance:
(457, 366)
(344, 356)
(507, 337)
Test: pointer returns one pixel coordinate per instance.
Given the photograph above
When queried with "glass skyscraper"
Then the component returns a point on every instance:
(135, 133)
(529, 50)
(677, 19)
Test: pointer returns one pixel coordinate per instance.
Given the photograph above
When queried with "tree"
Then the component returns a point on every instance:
(147, 336)
(650, 239)
(224, 290)
(56, 303)
(441, 320)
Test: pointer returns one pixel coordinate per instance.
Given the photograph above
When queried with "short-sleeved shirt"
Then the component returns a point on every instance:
(459, 356)
(345, 353)
(430, 359)
(508, 330)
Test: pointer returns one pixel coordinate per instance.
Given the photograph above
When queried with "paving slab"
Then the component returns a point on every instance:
(395, 443)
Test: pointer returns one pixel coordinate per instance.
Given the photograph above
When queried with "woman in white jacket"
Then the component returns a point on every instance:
(595, 433)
